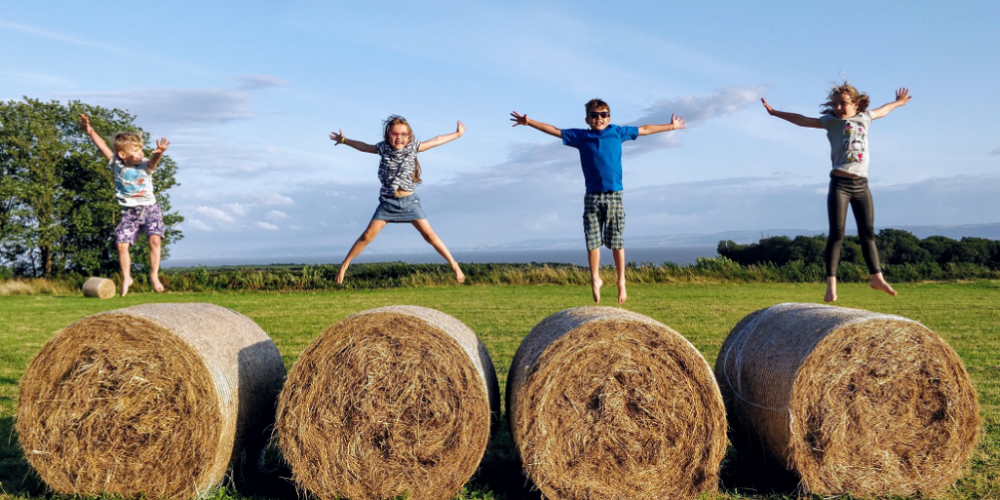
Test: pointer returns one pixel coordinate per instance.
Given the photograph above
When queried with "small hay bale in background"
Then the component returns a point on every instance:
(100, 288)
(604, 403)
(388, 401)
(854, 401)
(153, 399)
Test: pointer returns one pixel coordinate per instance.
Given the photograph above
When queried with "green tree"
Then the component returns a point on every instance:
(57, 206)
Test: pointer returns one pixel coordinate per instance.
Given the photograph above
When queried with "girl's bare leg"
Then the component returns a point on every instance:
(879, 283)
(594, 259)
(366, 237)
(425, 230)
(619, 256)
(831, 289)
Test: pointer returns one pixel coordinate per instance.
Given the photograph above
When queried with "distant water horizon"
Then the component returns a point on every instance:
(678, 255)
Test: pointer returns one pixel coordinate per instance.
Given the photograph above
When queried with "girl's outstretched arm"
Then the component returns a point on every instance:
(338, 138)
(802, 121)
(441, 139)
(902, 97)
(520, 119)
(676, 122)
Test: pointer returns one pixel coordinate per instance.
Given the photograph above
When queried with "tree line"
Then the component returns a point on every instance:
(58, 210)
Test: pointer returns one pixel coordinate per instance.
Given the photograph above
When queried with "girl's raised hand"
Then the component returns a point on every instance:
(518, 119)
(767, 106)
(460, 128)
(337, 137)
(903, 96)
(85, 123)
(677, 121)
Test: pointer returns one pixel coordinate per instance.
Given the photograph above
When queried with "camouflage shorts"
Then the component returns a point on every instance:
(604, 220)
(148, 219)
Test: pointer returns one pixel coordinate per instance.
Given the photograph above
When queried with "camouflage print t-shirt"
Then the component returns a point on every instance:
(848, 142)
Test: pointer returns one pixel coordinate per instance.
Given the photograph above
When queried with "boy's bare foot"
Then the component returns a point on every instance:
(155, 281)
(622, 296)
(127, 282)
(879, 283)
(595, 286)
(459, 276)
(831, 291)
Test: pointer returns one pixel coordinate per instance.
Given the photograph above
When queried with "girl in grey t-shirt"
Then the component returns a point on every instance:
(846, 119)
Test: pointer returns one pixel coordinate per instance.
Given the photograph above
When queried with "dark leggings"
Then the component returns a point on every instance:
(852, 191)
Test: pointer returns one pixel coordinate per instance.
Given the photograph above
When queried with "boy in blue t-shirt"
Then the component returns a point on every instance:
(600, 149)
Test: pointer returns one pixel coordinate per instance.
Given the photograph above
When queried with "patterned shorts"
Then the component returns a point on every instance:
(134, 219)
(604, 220)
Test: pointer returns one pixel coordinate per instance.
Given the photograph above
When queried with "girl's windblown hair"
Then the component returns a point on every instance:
(861, 99)
(387, 125)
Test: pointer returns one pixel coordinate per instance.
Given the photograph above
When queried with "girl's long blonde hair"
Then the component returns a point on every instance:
(859, 98)
(387, 126)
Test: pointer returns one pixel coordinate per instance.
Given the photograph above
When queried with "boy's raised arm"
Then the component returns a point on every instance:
(95, 137)
(338, 138)
(676, 122)
(519, 119)
(802, 121)
(154, 157)
(902, 97)
(441, 139)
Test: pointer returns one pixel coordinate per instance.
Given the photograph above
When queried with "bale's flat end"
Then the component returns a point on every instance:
(100, 288)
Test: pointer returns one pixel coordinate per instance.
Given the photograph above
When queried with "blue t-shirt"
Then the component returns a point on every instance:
(600, 154)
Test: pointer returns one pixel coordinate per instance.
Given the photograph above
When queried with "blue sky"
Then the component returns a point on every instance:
(248, 92)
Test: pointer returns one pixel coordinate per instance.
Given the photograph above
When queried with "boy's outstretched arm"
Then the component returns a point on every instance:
(676, 122)
(544, 127)
(441, 139)
(338, 138)
(902, 97)
(96, 138)
(802, 121)
(154, 157)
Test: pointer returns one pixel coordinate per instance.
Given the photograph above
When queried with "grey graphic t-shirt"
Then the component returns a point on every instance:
(133, 185)
(848, 142)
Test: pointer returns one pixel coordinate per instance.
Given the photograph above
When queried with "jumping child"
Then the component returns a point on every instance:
(846, 119)
(133, 175)
(399, 173)
(600, 149)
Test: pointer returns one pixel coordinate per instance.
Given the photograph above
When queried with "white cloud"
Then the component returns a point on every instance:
(238, 209)
(196, 224)
(266, 225)
(274, 199)
(215, 214)
(696, 109)
(276, 215)
(254, 82)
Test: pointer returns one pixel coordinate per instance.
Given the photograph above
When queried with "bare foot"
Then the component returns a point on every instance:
(622, 296)
(459, 275)
(595, 286)
(879, 283)
(127, 282)
(831, 291)
(155, 281)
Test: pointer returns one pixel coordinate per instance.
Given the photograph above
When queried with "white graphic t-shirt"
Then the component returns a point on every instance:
(133, 185)
(848, 142)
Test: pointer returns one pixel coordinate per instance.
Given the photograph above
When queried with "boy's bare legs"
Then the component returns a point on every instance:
(125, 260)
(366, 237)
(619, 256)
(154, 263)
(425, 230)
(594, 259)
(831, 289)
(879, 283)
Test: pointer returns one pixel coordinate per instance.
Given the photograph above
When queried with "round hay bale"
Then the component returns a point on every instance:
(606, 403)
(100, 288)
(153, 399)
(852, 401)
(388, 401)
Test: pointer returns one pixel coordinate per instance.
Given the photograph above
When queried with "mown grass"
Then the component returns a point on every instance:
(967, 315)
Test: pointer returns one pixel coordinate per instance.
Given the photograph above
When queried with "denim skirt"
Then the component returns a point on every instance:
(401, 209)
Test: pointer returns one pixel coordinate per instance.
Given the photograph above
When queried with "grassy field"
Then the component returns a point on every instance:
(967, 315)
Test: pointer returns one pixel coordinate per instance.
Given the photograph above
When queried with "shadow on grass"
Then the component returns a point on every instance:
(501, 471)
(17, 478)
(747, 471)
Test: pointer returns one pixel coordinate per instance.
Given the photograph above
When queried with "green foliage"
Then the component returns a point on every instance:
(57, 205)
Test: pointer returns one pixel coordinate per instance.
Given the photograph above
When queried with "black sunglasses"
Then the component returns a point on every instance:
(599, 114)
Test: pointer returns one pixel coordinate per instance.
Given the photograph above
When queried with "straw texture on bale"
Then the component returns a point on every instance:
(852, 401)
(152, 399)
(604, 403)
(391, 400)
(100, 288)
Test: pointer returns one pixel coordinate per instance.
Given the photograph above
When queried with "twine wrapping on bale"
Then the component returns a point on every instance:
(608, 404)
(389, 401)
(153, 399)
(853, 401)
(100, 288)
